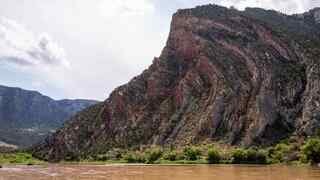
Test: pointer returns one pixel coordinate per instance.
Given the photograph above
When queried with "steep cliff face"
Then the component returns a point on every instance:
(27, 117)
(242, 77)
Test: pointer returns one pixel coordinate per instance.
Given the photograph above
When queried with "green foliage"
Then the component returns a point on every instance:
(257, 156)
(239, 156)
(111, 155)
(279, 153)
(191, 153)
(72, 157)
(214, 156)
(18, 158)
(288, 152)
(171, 155)
(311, 150)
(285, 141)
(153, 154)
(282, 147)
(250, 156)
(149, 156)
(102, 157)
(135, 157)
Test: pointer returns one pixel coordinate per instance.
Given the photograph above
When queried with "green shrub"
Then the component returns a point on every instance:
(311, 150)
(285, 141)
(134, 157)
(214, 156)
(191, 153)
(303, 159)
(278, 157)
(170, 155)
(279, 153)
(71, 157)
(250, 156)
(153, 155)
(130, 158)
(239, 156)
(102, 157)
(256, 156)
(282, 147)
(114, 154)
(262, 157)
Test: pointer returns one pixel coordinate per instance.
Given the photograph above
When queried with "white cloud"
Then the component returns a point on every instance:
(118, 8)
(21, 47)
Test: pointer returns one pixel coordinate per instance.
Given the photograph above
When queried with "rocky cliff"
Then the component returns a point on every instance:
(27, 117)
(240, 77)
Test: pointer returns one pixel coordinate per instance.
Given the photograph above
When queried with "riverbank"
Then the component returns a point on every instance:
(286, 152)
(283, 153)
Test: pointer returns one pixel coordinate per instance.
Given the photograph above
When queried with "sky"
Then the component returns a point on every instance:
(86, 48)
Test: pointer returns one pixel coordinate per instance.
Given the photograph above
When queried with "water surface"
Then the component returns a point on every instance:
(139, 172)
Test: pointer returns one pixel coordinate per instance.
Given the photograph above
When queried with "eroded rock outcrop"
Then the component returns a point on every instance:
(228, 75)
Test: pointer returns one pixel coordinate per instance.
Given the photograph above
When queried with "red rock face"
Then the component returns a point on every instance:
(223, 75)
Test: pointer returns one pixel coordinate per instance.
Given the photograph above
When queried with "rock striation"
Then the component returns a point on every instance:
(241, 77)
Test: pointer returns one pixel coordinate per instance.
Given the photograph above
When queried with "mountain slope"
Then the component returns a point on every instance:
(27, 116)
(242, 77)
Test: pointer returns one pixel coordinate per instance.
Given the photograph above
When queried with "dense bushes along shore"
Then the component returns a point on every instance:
(285, 152)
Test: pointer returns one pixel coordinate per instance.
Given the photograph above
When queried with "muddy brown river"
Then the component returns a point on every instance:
(140, 172)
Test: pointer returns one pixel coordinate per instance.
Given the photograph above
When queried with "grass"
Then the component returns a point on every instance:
(19, 159)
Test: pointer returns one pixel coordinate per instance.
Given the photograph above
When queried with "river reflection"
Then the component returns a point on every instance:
(139, 172)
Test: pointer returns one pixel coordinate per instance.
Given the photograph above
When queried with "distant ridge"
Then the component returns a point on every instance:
(27, 117)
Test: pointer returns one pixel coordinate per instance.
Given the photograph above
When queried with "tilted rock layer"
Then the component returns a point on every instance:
(241, 77)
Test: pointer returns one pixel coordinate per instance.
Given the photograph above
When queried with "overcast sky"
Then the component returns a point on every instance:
(86, 48)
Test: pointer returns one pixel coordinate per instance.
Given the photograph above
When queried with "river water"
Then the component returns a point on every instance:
(140, 172)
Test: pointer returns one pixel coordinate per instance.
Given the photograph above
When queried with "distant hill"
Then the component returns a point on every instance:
(27, 117)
